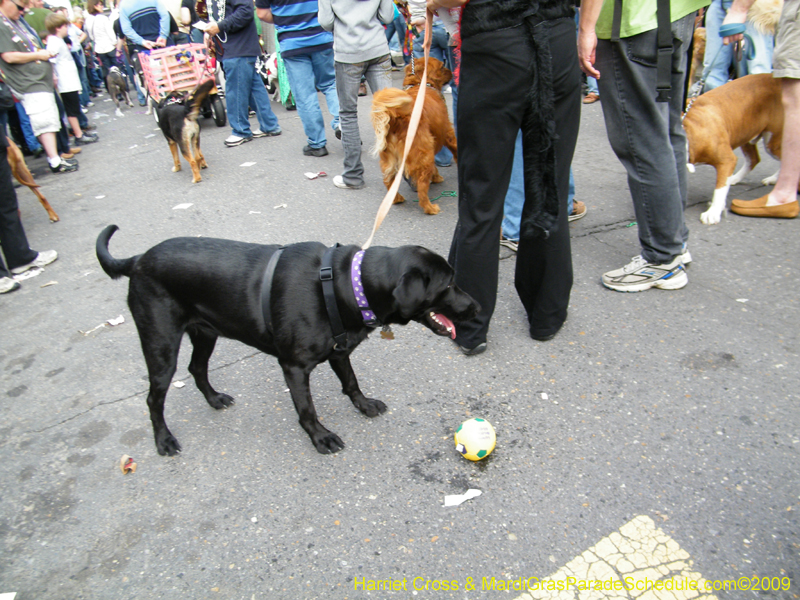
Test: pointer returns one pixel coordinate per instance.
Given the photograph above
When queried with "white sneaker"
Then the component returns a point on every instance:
(339, 182)
(640, 275)
(42, 259)
(8, 285)
(235, 140)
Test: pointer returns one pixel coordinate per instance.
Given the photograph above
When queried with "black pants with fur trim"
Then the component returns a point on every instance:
(495, 77)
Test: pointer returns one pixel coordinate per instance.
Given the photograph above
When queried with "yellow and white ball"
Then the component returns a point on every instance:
(475, 439)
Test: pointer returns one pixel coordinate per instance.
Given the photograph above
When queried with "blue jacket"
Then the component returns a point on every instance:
(142, 20)
(237, 30)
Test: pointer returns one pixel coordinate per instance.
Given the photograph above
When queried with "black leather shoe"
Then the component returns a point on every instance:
(479, 349)
(309, 151)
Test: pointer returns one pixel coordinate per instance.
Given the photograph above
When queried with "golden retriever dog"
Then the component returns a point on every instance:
(391, 113)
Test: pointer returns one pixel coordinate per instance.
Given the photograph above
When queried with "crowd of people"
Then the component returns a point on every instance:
(517, 95)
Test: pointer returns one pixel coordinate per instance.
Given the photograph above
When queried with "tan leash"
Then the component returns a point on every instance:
(416, 114)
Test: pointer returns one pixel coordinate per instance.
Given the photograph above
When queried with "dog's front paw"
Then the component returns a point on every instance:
(711, 217)
(118, 112)
(167, 445)
(370, 407)
(219, 401)
(430, 209)
(398, 199)
(327, 442)
(176, 168)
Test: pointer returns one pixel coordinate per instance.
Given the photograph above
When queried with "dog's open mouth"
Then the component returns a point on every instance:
(440, 324)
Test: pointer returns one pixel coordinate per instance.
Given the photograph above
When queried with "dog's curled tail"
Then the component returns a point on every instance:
(113, 267)
(195, 99)
(387, 104)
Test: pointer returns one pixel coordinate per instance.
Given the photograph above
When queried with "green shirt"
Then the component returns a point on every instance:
(35, 18)
(639, 16)
(29, 77)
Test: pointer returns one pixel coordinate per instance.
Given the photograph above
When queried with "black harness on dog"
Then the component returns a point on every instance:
(326, 277)
(341, 343)
(266, 287)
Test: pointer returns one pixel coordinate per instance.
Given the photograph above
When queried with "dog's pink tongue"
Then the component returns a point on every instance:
(447, 323)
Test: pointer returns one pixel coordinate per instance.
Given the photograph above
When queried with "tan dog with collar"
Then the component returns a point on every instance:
(735, 115)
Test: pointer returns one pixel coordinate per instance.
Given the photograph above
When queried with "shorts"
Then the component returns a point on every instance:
(72, 104)
(42, 111)
(786, 59)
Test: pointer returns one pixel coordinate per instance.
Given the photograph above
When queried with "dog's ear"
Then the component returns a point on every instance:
(411, 292)
(441, 76)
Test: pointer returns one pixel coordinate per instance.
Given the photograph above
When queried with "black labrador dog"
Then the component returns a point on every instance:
(211, 287)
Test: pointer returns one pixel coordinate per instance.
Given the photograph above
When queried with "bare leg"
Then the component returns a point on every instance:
(785, 189)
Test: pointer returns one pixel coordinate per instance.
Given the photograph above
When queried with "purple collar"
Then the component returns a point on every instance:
(370, 319)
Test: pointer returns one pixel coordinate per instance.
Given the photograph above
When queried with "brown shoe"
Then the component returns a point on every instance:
(362, 89)
(591, 98)
(759, 208)
(75, 150)
(67, 155)
(578, 211)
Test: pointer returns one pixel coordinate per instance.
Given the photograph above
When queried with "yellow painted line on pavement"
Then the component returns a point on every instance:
(638, 562)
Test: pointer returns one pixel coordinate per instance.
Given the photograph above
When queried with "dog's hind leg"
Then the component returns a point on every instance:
(161, 340)
(187, 149)
(423, 185)
(452, 144)
(203, 344)
(326, 442)
(344, 371)
(173, 147)
(201, 160)
(751, 159)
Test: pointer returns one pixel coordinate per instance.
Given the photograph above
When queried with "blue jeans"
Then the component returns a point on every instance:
(515, 196)
(647, 136)
(716, 72)
(27, 131)
(396, 34)
(439, 43)
(441, 49)
(140, 93)
(378, 73)
(308, 73)
(244, 88)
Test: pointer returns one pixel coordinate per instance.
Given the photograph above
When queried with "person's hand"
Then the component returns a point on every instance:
(587, 45)
(213, 29)
(44, 54)
(161, 42)
(734, 16)
(148, 44)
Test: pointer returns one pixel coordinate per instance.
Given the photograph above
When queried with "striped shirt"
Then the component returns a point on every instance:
(299, 31)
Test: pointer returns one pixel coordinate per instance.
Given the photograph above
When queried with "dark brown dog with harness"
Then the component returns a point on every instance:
(303, 303)
(177, 117)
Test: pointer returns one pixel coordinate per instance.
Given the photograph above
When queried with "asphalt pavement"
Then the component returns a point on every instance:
(664, 423)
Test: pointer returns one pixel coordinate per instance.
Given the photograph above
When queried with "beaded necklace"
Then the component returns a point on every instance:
(20, 31)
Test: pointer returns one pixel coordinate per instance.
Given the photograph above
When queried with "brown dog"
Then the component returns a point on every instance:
(23, 175)
(391, 113)
(735, 115)
(177, 117)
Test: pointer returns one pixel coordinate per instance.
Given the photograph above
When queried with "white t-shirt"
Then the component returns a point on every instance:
(101, 31)
(64, 64)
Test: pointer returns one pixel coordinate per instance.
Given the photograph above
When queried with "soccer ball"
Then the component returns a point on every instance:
(475, 439)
